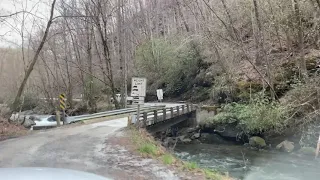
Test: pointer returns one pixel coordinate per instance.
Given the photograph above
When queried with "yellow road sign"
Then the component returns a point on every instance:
(62, 101)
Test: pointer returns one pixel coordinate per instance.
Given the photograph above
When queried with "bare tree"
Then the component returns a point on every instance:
(16, 102)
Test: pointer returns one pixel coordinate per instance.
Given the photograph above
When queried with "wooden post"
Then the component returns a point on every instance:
(155, 115)
(178, 110)
(171, 112)
(164, 112)
(182, 109)
(58, 118)
(188, 108)
(129, 120)
(145, 118)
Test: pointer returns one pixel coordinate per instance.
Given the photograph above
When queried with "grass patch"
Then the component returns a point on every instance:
(148, 148)
(168, 159)
(214, 175)
(191, 165)
(146, 145)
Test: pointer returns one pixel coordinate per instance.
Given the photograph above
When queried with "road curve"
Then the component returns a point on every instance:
(83, 148)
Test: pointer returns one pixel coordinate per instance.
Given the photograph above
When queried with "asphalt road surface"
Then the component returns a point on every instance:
(84, 148)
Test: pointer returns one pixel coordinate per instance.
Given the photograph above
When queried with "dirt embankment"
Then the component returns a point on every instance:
(9, 130)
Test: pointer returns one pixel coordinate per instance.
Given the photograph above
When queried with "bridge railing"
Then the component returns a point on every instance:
(147, 118)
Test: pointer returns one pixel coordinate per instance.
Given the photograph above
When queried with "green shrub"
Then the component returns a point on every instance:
(255, 117)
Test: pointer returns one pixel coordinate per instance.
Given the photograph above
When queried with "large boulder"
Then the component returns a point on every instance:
(310, 151)
(258, 142)
(286, 146)
(231, 131)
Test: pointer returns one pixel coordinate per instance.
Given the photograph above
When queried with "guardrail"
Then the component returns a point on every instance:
(147, 118)
(72, 119)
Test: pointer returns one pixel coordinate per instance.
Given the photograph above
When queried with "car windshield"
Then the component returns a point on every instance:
(159, 89)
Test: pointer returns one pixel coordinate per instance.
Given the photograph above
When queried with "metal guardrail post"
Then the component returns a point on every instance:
(178, 110)
(188, 108)
(155, 115)
(164, 112)
(145, 118)
(171, 112)
(182, 109)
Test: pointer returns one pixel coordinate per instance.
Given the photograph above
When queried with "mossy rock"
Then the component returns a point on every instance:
(310, 151)
(256, 141)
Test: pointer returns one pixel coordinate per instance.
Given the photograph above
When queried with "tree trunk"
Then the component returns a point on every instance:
(16, 103)
(121, 54)
(302, 61)
(261, 49)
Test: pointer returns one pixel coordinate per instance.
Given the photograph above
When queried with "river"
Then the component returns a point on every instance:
(243, 163)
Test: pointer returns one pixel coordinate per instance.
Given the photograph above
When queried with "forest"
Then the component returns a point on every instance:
(257, 60)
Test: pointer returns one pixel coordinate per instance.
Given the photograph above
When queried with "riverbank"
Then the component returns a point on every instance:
(145, 145)
(9, 130)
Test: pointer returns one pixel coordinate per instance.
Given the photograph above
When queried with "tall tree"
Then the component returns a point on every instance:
(16, 103)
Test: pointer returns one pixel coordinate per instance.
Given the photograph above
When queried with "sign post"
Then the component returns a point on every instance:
(62, 104)
(160, 94)
(138, 92)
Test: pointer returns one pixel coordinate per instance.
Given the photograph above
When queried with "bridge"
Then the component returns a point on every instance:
(166, 117)
(154, 117)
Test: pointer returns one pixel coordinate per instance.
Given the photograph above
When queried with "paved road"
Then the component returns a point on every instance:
(73, 148)
(90, 147)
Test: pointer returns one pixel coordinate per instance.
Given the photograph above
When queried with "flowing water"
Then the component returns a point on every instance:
(243, 163)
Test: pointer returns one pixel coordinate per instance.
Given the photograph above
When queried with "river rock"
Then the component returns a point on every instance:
(180, 138)
(286, 146)
(196, 136)
(169, 141)
(184, 139)
(310, 151)
(258, 142)
(209, 138)
(27, 123)
(230, 131)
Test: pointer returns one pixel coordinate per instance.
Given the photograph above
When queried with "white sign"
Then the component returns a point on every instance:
(160, 94)
(139, 86)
